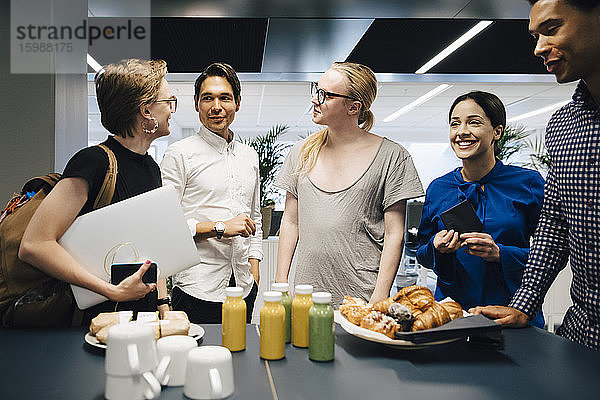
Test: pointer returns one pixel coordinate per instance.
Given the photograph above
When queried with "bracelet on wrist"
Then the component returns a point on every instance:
(165, 300)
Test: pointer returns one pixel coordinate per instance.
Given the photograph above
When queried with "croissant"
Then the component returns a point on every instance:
(453, 308)
(405, 291)
(353, 300)
(354, 309)
(379, 322)
(435, 316)
(419, 296)
(383, 305)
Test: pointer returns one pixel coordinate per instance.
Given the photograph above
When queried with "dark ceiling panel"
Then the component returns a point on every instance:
(190, 44)
(403, 46)
(505, 47)
(479, 9)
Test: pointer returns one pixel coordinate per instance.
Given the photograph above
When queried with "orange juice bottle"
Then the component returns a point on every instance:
(233, 315)
(300, 306)
(272, 327)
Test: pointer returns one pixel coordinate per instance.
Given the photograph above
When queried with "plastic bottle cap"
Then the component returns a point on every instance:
(281, 287)
(272, 296)
(304, 289)
(321, 297)
(234, 292)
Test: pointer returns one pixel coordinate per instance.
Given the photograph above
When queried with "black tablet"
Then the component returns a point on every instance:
(462, 218)
(118, 272)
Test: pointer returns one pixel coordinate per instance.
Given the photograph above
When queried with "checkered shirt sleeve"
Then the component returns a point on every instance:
(569, 226)
(548, 255)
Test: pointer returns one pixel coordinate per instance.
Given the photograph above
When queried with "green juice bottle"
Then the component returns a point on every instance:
(286, 302)
(321, 337)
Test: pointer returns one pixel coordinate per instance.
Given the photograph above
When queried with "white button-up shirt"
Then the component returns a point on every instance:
(216, 181)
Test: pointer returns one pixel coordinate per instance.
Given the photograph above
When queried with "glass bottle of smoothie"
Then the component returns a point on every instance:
(300, 306)
(233, 314)
(272, 327)
(321, 328)
(286, 302)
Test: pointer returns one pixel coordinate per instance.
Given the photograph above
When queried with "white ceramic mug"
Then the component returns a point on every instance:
(130, 350)
(131, 363)
(176, 347)
(209, 373)
(135, 387)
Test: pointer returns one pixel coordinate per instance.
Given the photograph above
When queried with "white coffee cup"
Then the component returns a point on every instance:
(130, 350)
(134, 387)
(209, 373)
(176, 347)
(131, 364)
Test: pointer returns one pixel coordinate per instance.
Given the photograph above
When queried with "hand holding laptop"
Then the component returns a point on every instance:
(153, 221)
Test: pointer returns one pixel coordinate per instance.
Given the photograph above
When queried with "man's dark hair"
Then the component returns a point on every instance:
(585, 5)
(224, 70)
(492, 107)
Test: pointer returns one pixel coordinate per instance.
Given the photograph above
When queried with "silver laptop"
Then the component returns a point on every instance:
(152, 221)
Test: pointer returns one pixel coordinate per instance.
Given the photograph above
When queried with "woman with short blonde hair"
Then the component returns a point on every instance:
(122, 88)
(346, 191)
(135, 104)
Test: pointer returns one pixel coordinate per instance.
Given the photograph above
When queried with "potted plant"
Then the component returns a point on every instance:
(540, 159)
(511, 141)
(270, 158)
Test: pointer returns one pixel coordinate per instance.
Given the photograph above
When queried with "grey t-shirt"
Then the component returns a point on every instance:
(340, 234)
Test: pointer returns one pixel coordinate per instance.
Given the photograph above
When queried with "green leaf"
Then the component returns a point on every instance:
(540, 159)
(270, 158)
(511, 142)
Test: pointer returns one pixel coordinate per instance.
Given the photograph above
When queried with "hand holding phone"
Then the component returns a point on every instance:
(132, 281)
(120, 271)
(447, 241)
(462, 218)
(481, 245)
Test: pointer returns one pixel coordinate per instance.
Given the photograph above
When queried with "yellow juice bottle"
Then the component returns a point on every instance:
(272, 327)
(233, 315)
(300, 306)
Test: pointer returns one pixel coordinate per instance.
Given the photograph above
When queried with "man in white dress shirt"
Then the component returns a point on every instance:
(218, 183)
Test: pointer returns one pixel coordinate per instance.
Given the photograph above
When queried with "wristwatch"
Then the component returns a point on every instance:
(220, 229)
(165, 300)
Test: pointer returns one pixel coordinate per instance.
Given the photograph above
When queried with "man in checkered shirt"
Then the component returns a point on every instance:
(568, 39)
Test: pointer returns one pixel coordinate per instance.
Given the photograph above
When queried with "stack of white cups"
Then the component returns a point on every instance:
(133, 370)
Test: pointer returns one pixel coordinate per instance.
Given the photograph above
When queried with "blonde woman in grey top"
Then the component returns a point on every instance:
(346, 192)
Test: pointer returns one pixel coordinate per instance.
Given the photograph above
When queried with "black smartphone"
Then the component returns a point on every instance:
(120, 271)
(462, 218)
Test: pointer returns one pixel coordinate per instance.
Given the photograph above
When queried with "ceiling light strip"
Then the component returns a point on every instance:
(539, 111)
(427, 96)
(470, 34)
(93, 63)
